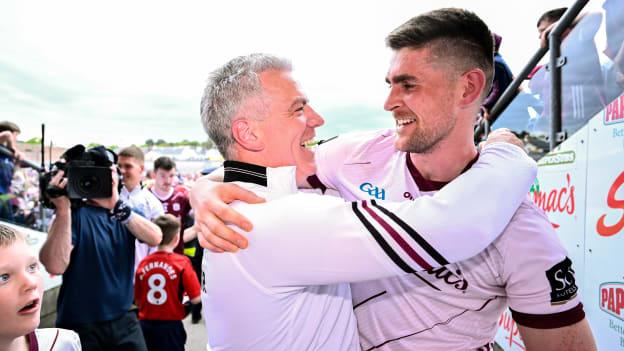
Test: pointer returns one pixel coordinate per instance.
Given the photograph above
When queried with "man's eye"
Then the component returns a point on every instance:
(4, 278)
(408, 86)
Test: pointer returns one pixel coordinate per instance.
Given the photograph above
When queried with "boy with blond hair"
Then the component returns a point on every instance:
(21, 293)
(161, 280)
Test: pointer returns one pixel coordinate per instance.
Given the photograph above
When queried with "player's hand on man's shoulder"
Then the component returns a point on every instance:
(209, 201)
(503, 135)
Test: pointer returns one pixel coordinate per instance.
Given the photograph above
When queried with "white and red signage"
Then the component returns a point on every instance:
(581, 188)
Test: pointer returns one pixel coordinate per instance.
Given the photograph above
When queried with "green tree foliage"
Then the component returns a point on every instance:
(185, 142)
(33, 141)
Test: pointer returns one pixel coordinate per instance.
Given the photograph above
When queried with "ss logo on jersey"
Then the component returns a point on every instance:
(562, 282)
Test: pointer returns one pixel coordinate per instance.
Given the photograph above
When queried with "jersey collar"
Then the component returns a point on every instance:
(430, 185)
(277, 181)
(235, 171)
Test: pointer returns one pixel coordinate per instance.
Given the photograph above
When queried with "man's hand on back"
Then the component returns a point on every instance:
(209, 201)
(503, 135)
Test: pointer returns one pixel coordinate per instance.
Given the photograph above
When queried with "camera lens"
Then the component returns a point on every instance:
(88, 183)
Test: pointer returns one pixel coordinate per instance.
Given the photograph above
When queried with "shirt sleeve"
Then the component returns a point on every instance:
(155, 206)
(541, 287)
(307, 239)
(68, 341)
(189, 280)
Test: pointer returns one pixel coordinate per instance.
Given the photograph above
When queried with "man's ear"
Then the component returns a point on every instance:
(473, 85)
(244, 132)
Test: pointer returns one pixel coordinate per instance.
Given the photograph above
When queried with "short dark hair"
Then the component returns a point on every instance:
(552, 16)
(132, 151)
(170, 227)
(450, 32)
(165, 163)
(7, 125)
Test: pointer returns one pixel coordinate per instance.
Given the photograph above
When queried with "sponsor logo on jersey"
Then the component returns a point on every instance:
(562, 282)
(373, 191)
(557, 158)
(612, 299)
(614, 113)
(611, 226)
(456, 279)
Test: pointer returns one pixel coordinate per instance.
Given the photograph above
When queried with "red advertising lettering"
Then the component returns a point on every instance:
(612, 299)
(511, 328)
(601, 226)
(615, 111)
(557, 200)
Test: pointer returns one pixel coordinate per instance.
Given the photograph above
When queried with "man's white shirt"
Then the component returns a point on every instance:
(144, 203)
(287, 291)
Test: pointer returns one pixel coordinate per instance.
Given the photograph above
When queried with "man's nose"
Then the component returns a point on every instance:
(314, 119)
(393, 100)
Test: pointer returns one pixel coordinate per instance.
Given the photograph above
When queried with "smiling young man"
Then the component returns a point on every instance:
(438, 76)
(131, 164)
(288, 291)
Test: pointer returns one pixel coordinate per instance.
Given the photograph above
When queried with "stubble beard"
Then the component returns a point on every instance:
(424, 139)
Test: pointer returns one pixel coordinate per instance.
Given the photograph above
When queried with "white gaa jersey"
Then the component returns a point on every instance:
(455, 307)
(287, 291)
(144, 203)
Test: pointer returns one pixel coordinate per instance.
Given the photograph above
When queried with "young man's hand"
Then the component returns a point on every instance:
(503, 135)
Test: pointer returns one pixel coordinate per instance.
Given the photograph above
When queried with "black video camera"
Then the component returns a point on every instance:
(88, 175)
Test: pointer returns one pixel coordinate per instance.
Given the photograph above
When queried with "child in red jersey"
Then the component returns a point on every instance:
(21, 296)
(161, 279)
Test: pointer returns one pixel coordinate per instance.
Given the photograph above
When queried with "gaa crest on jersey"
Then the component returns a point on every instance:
(176, 206)
(562, 282)
(373, 191)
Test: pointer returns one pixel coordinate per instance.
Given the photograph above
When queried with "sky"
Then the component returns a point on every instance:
(122, 72)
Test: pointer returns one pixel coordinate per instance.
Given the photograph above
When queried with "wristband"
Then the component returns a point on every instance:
(121, 212)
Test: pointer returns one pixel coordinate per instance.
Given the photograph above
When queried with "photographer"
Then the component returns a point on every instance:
(92, 245)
